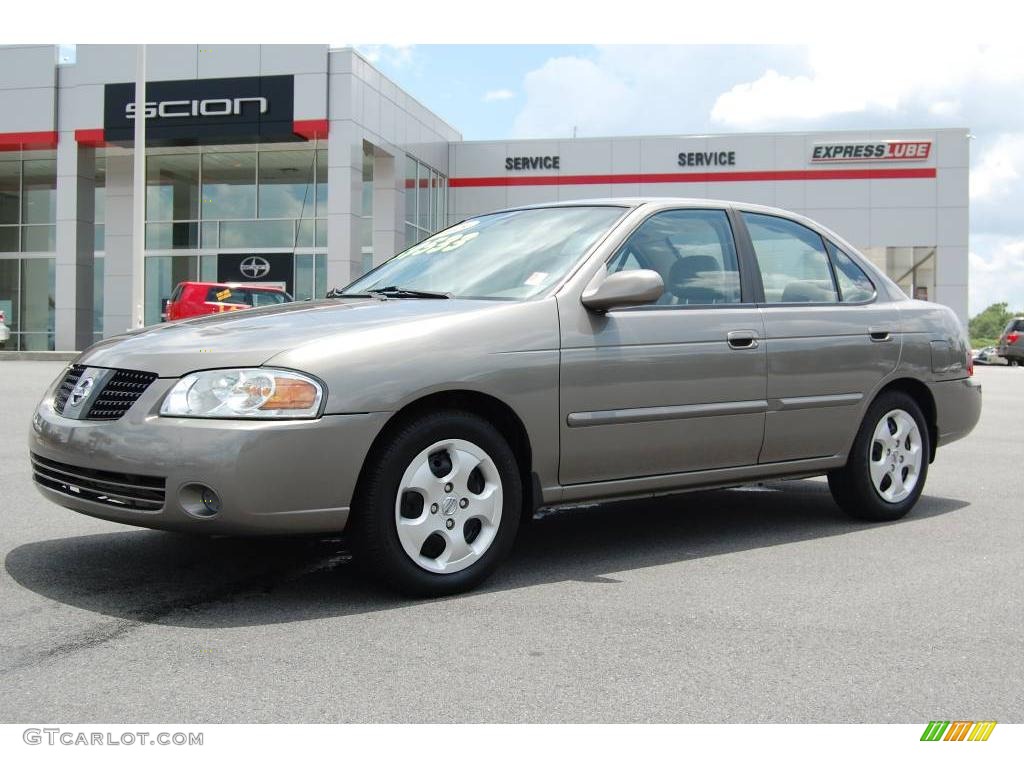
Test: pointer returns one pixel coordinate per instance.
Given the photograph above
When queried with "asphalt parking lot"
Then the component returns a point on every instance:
(750, 605)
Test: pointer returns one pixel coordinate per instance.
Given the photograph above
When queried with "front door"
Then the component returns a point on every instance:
(275, 269)
(830, 342)
(677, 386)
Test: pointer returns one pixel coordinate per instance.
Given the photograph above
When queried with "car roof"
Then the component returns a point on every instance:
(256, 286)
(659, 202)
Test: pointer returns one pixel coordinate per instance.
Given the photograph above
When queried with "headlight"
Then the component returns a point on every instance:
(246, 393)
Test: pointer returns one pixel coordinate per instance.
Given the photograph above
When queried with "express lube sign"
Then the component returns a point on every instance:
(871, 151)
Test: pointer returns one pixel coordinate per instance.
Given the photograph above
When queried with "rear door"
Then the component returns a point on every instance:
(829, 339)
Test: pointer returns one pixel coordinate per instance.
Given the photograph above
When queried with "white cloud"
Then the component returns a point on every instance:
(896, 79)
(999, 166)
(998, 275)
(500, 94)
(395, 55)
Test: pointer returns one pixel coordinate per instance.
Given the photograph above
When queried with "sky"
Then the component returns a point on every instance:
(527, 91)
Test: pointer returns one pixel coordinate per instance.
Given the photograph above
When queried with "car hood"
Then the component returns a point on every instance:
(252, 337)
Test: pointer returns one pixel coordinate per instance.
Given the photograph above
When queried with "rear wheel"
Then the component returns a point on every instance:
(440, 505)
(888, 464)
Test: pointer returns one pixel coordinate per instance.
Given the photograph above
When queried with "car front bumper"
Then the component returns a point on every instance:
(271, 477)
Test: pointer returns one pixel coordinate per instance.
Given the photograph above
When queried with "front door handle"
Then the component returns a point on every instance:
(742, 339)
(880, 334)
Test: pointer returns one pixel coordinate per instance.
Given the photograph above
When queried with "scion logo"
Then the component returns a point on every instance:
(197, 108)
(873, 151)
(254, 267)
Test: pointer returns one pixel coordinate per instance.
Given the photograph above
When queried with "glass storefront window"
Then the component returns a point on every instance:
(39, 193)
(423, 199)
(100, 205)
(97, 299)
(321, 182)
(10, 193)
(163, 273)
(39, 237)
(167, 235)
(366, 222)
(286, 185)
(257, 234)
(229, 185)
(35, 322)
(172, 187)
(28, 205)
(10, 293)
(9, 239)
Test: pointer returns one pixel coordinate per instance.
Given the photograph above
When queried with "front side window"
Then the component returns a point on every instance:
(854, 285)
(692, 250)
(792, 261)
(513, 255)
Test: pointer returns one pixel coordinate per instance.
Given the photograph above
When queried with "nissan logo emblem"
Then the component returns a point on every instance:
(81, 391)
(254, 267)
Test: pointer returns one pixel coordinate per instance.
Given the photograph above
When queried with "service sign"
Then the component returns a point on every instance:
(214, 111)
(871, 151)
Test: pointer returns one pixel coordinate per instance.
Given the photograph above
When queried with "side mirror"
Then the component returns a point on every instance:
(622, 289)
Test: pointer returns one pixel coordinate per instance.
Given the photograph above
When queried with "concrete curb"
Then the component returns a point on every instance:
(49, 356)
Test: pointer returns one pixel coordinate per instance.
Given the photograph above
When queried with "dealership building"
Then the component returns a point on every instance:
(304, 166)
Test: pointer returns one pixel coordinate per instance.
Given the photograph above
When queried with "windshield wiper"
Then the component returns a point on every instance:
(394, 291)
(387, 292)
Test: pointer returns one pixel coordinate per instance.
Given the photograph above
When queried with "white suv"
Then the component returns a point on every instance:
(5, 332)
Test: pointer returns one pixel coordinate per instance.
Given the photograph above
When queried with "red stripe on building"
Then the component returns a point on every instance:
(90, 137)
(28, 140)
(825, 174)
(311, 129)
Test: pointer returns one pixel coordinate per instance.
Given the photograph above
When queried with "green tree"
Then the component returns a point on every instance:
(990, 322)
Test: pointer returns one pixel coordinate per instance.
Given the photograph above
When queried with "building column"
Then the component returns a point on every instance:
(73, 299)
(117, 263)
(388, 207)
(951, 279)
(344, 203)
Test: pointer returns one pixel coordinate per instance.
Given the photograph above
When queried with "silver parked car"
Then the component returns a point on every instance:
(541, 356)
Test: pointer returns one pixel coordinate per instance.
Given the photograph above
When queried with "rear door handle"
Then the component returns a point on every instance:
(879, 334)
(742, 339)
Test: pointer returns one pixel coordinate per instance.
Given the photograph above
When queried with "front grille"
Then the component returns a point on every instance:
(121, 392)
(64, 390)
(144, 493)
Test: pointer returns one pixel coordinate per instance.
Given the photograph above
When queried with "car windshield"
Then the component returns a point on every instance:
(512, 255)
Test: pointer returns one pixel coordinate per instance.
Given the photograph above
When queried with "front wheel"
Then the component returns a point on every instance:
(440, 505)
(888, 464)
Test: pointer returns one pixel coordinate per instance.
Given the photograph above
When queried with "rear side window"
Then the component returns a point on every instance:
(854, 285)
(249, 297)
(792, 260)
(692, 250)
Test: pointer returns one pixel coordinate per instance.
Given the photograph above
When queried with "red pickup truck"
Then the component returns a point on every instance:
(191, 299)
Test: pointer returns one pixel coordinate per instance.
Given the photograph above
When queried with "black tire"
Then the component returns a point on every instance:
(373, 527)
(852, 486)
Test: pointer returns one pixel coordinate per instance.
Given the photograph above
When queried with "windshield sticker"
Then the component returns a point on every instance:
(225, 294)
(536, 278)
(448, 241)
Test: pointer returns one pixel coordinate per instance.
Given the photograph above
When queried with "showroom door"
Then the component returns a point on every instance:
(271, 268)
